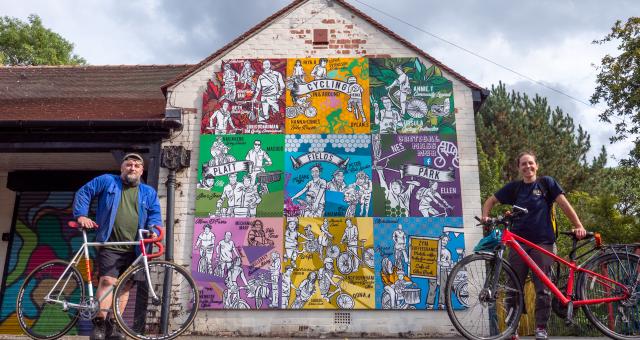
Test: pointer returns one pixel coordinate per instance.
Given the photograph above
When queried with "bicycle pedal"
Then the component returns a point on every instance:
(569, 319)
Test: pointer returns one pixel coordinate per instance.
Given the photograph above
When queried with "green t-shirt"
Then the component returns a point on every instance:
(125, 227)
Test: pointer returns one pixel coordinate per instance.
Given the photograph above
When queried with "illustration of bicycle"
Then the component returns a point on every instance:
(343, 300)
(410, 298)
(349, 261)
(204, 264)
(231, 298)
(302, 106)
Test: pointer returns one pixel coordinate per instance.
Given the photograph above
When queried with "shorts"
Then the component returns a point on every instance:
(113, 263)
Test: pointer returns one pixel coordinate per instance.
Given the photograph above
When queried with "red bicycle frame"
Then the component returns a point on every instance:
(511, 240)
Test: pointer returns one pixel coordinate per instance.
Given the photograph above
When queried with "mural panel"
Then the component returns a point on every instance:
(237, 262)
(409, 97)
(240, 176)
(413, 259)
(327, 96)
(328, 263)
(328, 175)
(245, 96)
(416, 175)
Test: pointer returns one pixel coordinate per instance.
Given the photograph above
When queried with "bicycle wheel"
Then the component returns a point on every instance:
(48, 320)
(620, 319)
(140, 315)
(488, 315)
(369, 257)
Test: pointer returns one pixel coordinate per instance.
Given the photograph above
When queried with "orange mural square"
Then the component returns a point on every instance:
(327, 96)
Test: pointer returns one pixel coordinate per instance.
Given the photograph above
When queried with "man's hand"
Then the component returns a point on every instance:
(87, 223)
(580, 232)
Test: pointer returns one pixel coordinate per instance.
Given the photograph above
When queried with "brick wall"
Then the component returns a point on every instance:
(291, 36)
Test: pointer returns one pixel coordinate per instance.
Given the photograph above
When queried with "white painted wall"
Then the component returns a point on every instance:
(289, 37)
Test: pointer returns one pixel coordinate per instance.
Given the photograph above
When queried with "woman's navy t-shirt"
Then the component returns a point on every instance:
(536, 225)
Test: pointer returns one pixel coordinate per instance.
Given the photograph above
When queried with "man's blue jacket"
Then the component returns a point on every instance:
(108, 189)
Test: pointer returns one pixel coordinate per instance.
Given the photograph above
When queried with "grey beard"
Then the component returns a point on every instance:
(131, 180)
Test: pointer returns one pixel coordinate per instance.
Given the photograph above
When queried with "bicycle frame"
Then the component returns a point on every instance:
(83, 252)
(512, 240)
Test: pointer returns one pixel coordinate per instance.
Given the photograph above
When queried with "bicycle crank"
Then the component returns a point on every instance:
(89, 309)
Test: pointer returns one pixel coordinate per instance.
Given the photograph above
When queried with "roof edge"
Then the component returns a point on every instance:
(292, 6)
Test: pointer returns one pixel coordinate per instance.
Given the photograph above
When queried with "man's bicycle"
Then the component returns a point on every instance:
(606, 287)
(153, 299)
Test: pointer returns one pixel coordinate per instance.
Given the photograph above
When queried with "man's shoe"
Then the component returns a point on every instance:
(99, 331)
(515, 336)
(541, 334)
(113, 331)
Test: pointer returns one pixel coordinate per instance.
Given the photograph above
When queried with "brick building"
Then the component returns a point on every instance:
(303, 29)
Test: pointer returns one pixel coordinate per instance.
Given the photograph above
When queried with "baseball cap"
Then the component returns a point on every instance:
(133, 155)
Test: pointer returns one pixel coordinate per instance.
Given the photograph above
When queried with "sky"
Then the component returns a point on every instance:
(549, 41)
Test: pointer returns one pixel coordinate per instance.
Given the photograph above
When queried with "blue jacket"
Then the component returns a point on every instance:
(108, 189)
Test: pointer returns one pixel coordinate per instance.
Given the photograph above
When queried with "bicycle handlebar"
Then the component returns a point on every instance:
(156, 240)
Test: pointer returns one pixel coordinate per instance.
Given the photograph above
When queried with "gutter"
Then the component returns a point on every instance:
(150, 123)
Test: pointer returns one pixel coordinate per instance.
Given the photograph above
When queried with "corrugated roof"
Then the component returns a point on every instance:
(112, 92)
(291, 6)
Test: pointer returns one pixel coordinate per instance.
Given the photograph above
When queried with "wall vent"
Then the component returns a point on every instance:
(342, 318)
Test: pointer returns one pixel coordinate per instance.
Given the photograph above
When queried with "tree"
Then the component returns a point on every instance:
(28, 44)
(618, 84)
(510, 122)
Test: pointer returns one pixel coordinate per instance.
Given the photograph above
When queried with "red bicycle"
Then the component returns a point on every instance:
(606, 286)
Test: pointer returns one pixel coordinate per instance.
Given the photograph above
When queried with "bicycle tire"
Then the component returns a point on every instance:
(621, 319)
(369, 257)
(142, 314)
(501, 316)
(42, 320)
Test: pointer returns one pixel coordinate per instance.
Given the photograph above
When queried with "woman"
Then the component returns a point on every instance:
(537, 195)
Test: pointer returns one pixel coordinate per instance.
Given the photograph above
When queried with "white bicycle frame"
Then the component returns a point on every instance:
(84, 252)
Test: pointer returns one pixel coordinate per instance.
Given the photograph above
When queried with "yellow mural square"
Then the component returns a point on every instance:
(327, 95)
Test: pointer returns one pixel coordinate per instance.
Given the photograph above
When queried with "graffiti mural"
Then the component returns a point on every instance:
(327, 96)
(41, 234)
(413, 259)
(328, 175)
(245, 96)
(237, 262)
(416, 175)
(328, 263)
(240, 176)
(409, 97)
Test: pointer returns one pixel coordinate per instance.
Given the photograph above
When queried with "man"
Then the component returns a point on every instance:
(337, 183)
(124, 206)
(320, 71)
(248, 199)
(230, 193)
(259, 159)
(275, 278)
(351, 238)
(316, 188)
(271, 86)
(400, 247)
(404, 88)
(355, 98)
(229, 77)
(222, 118)
(224, 253)
(445, 263)
(205, 243)
(388, 118)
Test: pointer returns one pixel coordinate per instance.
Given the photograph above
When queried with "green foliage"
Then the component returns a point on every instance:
(29, 44)
(618, 84)
(515, 122)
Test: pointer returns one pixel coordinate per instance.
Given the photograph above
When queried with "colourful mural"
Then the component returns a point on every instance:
(409, 97)
(363, 189)
(41, 234)
(328, 263)
(327, 96)
(245, 96)
(416, 175)
(413, 259)
(328, 175)
(240, 176)
(237, 262)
